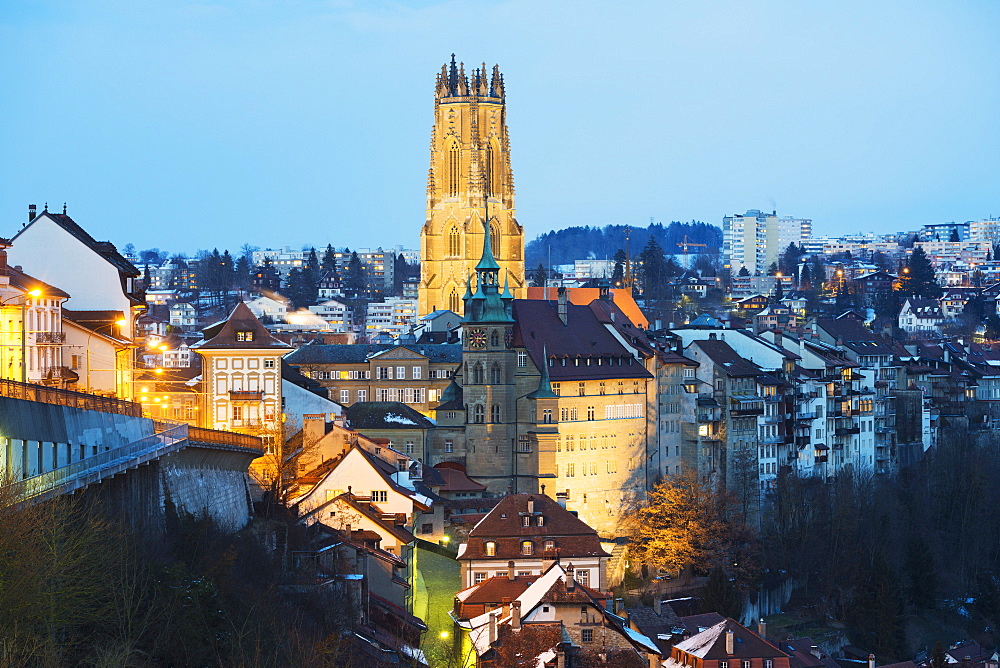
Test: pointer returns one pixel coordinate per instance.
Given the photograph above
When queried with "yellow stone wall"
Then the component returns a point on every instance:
(469, 174)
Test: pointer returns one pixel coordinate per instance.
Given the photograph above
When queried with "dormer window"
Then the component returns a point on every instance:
(244, 335)
(491, 549)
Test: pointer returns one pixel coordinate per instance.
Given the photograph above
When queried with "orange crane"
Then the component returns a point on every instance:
(684, 244)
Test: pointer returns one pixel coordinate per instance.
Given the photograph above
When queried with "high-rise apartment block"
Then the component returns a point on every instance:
(756, 239)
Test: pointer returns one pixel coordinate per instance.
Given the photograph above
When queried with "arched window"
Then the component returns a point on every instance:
(527, 547)
(477, 374)
(495, 413)
(496, 375)
(495, 339)
(454, 168)
(453, 300)
(494, 170)
(479, 414)
(495, 238)
(454, 241)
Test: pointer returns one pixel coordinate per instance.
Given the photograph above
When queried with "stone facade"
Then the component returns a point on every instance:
(470, 172)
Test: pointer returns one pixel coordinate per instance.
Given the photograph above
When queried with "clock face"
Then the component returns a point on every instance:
(477, 338)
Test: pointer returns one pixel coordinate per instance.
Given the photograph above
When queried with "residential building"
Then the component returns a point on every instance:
(268, 309)
(394, 317)
(469, 183)
(338, 315)
(920, 315)
(94, 273)
(241, 370)
(756, 239)
(532, 531)
(183, 316)
(405, 429)
(728, 644)
(98, 351)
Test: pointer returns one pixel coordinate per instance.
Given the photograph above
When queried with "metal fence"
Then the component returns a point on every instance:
(95, 467)
(53, 395)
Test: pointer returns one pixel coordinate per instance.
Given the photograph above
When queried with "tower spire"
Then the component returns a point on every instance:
(544, 390)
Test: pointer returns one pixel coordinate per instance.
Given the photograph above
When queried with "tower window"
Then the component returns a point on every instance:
(495, 413)
(453, 301)
(496, 375)
(454, 242)
(454, 168)
(479, 413)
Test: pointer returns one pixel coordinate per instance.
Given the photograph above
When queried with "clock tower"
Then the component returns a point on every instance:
(489, 360)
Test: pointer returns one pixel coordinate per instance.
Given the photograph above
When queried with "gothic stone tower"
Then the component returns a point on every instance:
(470, 181)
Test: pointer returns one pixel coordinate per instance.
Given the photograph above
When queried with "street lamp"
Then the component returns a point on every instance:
(24, 309)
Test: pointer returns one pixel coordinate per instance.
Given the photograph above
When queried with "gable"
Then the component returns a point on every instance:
(398, 353)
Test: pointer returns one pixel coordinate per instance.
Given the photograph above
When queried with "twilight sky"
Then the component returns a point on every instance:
(190, 124)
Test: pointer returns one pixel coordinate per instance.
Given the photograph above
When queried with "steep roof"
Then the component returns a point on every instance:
(222, 336)
(105, 249)
(359, 353)
(454, 480)
(711, 643)
(583, 337)
(854, 335)
(622, 297)
(504, 525)
(385, 415)
(723, 355)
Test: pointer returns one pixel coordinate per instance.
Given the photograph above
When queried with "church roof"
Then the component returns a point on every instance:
(583, 296)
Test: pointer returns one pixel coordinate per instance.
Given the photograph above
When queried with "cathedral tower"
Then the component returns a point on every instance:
(470, 181)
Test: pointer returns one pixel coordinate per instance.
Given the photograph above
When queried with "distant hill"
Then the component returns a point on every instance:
(578, 243)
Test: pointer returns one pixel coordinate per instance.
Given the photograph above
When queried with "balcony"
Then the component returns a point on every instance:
(806, 416)
(50, 338)
(246, 395)
(802, 441)
(846, 431)
(774, 419)
(707, 417)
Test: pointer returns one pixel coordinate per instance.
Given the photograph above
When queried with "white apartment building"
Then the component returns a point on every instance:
(756, 239)
(986, 230)
(337, 315)
(394, 316)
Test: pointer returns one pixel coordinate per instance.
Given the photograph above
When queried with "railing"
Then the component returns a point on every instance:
(148, 448)
(246, 395)
(203, 435)
(13, 389)
(50, 337)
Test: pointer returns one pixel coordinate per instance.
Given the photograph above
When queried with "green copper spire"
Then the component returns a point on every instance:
(506, 287)
(487, 262)
(544, 390)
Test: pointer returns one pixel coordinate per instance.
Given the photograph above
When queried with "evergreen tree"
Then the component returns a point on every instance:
(788, 262)
(721, 595)
(654, 270)
(242, 272)
(329, 262)
(310, 276)
(875, 615)
(772, 269)
(618, 275)
(779, 292)
(954, 235)
(917, 278)
(743, 271)
(355, 280)
(538, 276)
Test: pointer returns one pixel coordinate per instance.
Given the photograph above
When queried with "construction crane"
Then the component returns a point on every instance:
(685, 244)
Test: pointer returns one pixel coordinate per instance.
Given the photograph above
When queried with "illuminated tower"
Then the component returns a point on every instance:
(469, 181)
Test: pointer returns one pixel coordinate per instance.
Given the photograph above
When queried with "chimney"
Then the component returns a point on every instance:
(560, 658)
(871, 661)
(654, 660)
(493, 626)
(32, 212)
(570, 577)
(531, 506)
(515, 615)
(619, 605)
(505, 605)
(730, 642)
(762, 628)
(563, 305)
(510, 570)
(313, 428)
(657, 604)
(561, 498)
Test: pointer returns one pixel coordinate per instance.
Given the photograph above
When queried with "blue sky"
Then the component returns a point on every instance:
(187, 125)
